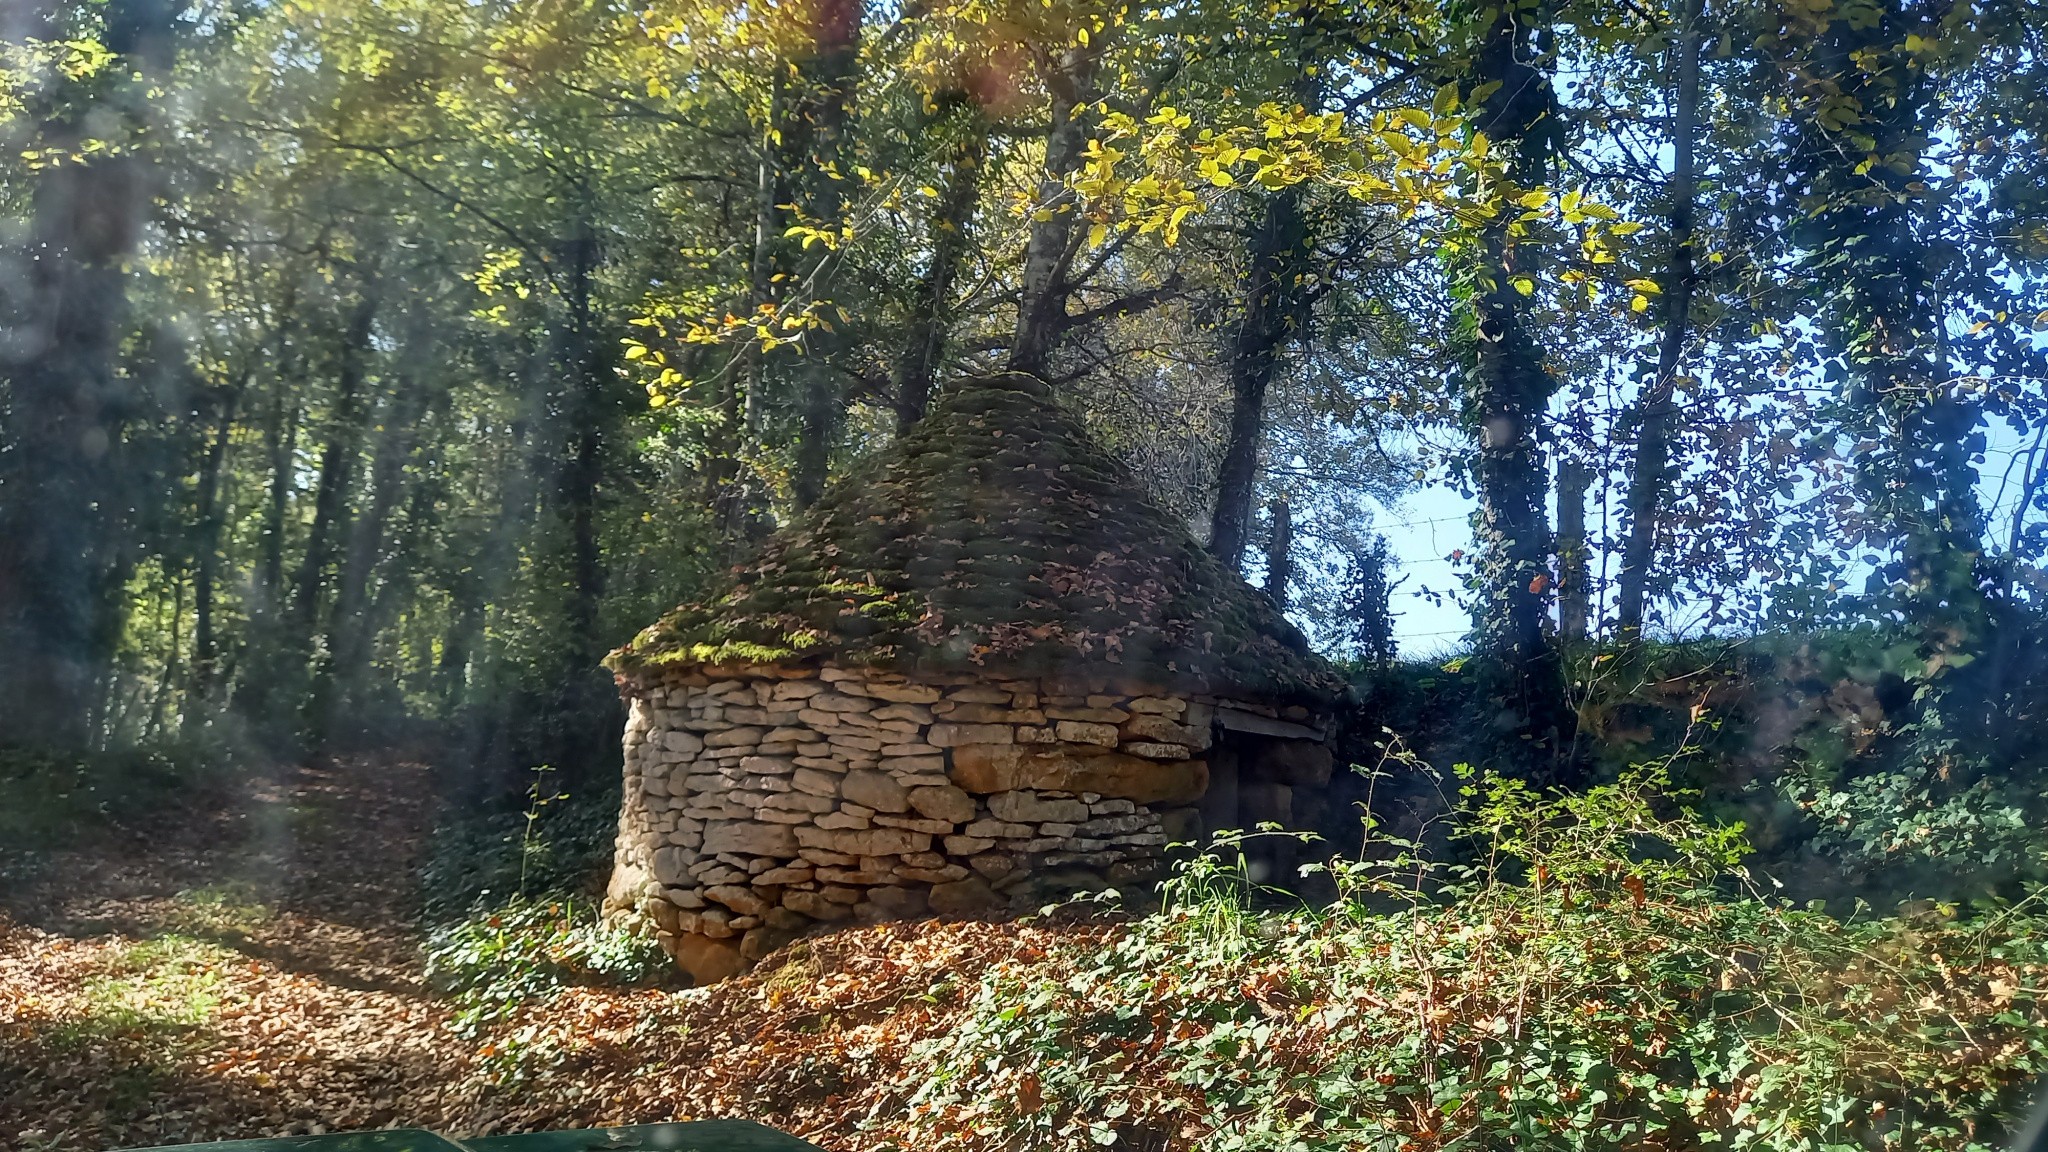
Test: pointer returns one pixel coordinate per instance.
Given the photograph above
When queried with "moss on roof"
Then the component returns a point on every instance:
(996, 538)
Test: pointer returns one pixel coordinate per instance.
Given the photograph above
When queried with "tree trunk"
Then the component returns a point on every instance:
(1280, 554)
(266, 647)
(932, 309)
(1508, 393)
(1273, 315)
(64, 297)
(349, 633)
(822, 114)
(337, 467)
(205, 646)
(1049, 249)
(1648, 477)
(584, 474)
(1574, 571)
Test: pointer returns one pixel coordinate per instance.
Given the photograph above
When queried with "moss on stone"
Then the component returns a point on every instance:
(997, 538)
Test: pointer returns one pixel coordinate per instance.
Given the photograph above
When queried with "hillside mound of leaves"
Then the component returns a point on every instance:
(996, 536)
(1598, 974)
(1594, 972)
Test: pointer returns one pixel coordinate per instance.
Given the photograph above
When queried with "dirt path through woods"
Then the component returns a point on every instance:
(258, 973)
(254, 971)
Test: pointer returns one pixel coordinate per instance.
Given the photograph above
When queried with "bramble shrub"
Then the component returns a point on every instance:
(1591, 971)
(495, 963)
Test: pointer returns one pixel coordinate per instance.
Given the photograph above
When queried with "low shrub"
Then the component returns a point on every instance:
(494, 964)
(1593, 972)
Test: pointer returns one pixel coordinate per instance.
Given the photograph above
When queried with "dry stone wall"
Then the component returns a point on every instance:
(762, 802)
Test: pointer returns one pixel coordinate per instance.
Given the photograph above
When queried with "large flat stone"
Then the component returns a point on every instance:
(986, 769)
(706, 960)
(746, 838)
(877, 790)
(1031, 808)
(864, 841)
(944, 802)
(959, 735)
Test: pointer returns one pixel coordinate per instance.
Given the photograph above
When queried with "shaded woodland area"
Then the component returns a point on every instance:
(369, 369)
(373, 369)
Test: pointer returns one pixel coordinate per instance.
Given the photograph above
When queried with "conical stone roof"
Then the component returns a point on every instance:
(996, 539)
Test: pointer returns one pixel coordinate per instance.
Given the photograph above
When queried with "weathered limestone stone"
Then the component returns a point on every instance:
(875, 790)
(749, 838)
(976, 694)
(1030, 808)
(815, 782)
(706, 960)
(1090, 715)
(835, 702)
(999, 829)
(903, 693)
(865, 842)
(943, 802)
(1151, 751)
(967, 845)
(766, 765)
(1005, 768)
(1158, 705)
(816, 906)
(911, 713)
(734, 738)
(843, 820)
(956, 735)
(1082, 732)
(741, 900)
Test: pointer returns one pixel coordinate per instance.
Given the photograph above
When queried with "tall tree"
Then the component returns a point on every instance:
(1508, 389)
(64, 302)
(1654, 411)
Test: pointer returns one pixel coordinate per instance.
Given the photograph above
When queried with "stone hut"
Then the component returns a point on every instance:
(979, 673)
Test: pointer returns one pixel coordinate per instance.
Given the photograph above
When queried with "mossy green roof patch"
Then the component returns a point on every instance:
(995, 538)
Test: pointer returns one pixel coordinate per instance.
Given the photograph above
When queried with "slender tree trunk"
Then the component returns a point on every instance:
(1273, 315)
(206, 565)
(1049, 250)
(266, 647)
(349, 631)
(932, 310)
(585, 472)
(1649, 476)
(1280, 554)
(829, 78)
(1574, 570)
(337, 467)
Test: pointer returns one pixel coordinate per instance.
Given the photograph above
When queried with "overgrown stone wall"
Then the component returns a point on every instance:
(763, 801)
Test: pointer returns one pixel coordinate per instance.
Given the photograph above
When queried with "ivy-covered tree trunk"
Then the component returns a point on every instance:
(822, 110)
(1654, 413)
(1508, 390)
(1868, 96)
(63, 304)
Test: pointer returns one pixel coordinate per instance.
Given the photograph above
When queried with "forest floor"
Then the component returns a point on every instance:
(257, 972)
